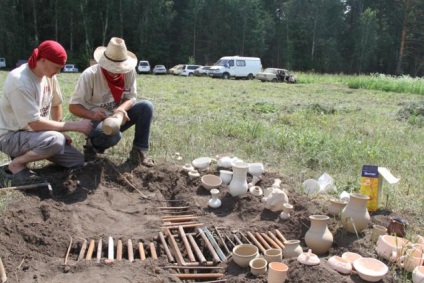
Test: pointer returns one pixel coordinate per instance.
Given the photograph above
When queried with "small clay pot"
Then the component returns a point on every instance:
(397, 227)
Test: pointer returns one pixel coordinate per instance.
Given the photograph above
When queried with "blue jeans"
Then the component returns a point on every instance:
(140, 115)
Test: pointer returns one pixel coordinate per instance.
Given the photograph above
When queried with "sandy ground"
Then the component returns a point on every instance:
(105, 200)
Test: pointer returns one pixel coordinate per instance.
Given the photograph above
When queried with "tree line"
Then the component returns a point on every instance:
(325, 36)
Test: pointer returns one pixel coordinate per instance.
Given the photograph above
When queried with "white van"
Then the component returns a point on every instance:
(2, 63)
(143, 67)
(236, 67)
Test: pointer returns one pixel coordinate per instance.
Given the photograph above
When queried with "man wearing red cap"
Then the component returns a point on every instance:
(31, 113)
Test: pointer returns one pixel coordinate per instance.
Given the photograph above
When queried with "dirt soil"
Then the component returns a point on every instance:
(105, 199)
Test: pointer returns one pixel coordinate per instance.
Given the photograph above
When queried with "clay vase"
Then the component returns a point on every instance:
(277, 272)
(287, 208)
(336, 206)
(318, 237)
(214, 202)
(292, 249)
(238, 185)
(355, 216)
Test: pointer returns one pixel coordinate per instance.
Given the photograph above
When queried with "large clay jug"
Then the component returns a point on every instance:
(318, 237)
(355, 216)
(238, 185)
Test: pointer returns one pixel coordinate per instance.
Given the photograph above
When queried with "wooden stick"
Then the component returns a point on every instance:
(90, 249)
(3, 275)
(130, 251)
(110, 249)
(166, 248)
(245, 238)
(276, 240)
(214, 244)
(262, 241)
(68, 251)
(119, 250)
(229, 240)
(175, 216)
(222, 240)
(186, 244)
(215, 256)
(270, 241)
(197, 250)
(278, 233)
(153, 251)
(174, 247)
(184, 225)
(82, 251)
(126, 180)
(191, 276)
(99, 250)
(239, 242)
(256, 242)
(141, 251)
(176, 224)
(179, 219)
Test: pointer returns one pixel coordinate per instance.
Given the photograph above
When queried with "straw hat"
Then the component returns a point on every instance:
(115, 57)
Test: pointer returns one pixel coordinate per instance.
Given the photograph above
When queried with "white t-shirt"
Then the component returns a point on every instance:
(92, 90)
(26, 98)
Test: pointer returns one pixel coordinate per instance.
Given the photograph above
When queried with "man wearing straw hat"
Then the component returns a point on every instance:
(31, 115)
(109, 88)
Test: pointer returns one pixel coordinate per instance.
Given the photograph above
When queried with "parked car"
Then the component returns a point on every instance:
(188, 70)
(176, 69)
(202, 71)
(2, 63)
(271, 75)
(143, 67)
(159, 70)
(21, 62)
(70, 68)
(236, 67)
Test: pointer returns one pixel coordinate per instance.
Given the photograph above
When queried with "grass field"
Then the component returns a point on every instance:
(318, 125)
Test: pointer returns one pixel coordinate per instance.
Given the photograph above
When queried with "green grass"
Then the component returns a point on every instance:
(319, 125)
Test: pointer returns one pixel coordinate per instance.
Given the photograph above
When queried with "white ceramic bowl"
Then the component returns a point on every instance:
(210, 181)
(350, 256)
(201, 163)
(370, 269)
(244, 253)
(340, 264)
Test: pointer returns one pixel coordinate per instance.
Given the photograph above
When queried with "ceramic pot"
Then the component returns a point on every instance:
(244, 253)
(256, 191)
(256, 169)
(277, 272)
(336, 206)
(418, 274)
(370, 269)
(377, 231)
(273, 255)
(258, 266)
(396, 227)
(225, 176)
(355, 216)
(292, 248)
(214, 202)
(188, 167)
(340, 264)
(238, 185)
(308, 258)
(413, 257)
(390, 247)
(112, 125)
(194, 174)
(287, 208)
(277, 183)
(318, 237)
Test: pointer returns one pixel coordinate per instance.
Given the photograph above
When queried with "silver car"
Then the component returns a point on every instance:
(159, 70)
(275, 75)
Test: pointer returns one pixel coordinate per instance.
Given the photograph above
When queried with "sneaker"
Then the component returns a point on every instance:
(138, 157)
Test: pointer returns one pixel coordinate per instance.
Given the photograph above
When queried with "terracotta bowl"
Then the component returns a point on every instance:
(244, 253)
(370, 269)
(201, 163)
(210, 181)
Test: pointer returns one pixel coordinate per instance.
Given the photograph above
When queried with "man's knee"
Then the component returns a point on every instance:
(52, 143)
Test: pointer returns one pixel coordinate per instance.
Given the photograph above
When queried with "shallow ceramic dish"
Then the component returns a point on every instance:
(201, 163)
(370, 269)
(210, 181)
(340, 264)
(244, 253)
(351, 257)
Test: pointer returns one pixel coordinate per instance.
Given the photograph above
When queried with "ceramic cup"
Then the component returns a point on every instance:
(226, 176)
(413, 257)
(258, 266)
(273, 255)
(377, 231)
(418, 274)
(277, 272)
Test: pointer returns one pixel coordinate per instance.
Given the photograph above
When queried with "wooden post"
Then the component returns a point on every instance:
(119, 250)
(3, 275)
(99, 250)
(130, 251)
(153, 251)
(166, 248)
(90, 250)
(141, 251)
(186, 244)
(82, 251)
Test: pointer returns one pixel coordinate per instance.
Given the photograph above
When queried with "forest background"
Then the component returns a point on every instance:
(325, 36)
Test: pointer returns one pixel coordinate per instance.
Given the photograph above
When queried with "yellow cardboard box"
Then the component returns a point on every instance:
(372, 184)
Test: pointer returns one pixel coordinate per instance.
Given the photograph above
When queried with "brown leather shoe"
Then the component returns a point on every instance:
(138, 157)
